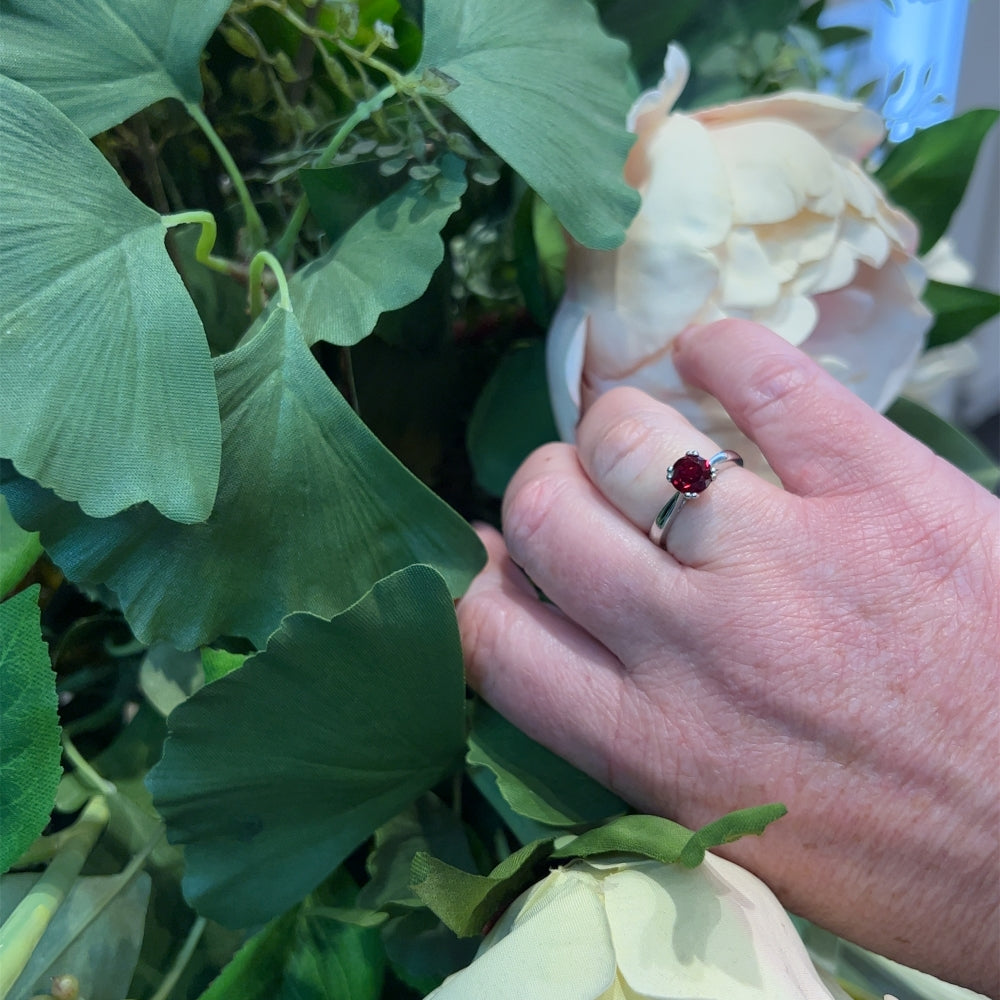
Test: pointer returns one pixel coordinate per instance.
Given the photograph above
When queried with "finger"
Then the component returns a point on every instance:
(815, 433)
(627, 441)
(586, 557)
(537, 668)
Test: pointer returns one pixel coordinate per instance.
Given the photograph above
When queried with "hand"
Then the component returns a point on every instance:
(832, 646)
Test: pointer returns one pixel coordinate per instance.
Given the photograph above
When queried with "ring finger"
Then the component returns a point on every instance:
(627, 442)
(586, 557)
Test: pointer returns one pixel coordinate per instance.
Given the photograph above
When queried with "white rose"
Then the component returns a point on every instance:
(638, 929)
(757, 209)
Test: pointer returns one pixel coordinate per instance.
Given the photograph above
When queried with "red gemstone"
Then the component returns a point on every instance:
(691, 474)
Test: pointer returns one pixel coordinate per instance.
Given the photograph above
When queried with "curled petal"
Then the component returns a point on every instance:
(845, 127)
(659, 102)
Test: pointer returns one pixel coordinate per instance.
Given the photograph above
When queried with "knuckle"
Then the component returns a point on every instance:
(481, 625)
(776, 385)
(623, 450)
(528, 508)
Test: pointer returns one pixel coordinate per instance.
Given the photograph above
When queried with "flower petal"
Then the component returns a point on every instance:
(650, 110)
(564, 352)
(657, 103)
(715, 932)
(748, 280)
(845, 127)
(775, 171)
(553, 942)
(667, 267)
(870, 334)
(944, 263)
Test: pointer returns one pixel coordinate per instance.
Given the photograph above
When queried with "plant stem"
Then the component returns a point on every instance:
(361, 112)
(181, 961)
(23, 929)
(88, 775)
(261, 259)
(255, 225)
(206, 241)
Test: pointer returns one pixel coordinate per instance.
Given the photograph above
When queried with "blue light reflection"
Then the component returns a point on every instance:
(912, 59)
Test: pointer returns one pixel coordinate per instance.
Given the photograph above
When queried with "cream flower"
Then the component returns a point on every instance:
(757, 209)
(631, 929)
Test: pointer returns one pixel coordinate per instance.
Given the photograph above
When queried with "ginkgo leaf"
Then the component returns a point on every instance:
(106, 388)
(311, 511)
(100, 61)
(288, 763)
(384, 261)
(546, 88)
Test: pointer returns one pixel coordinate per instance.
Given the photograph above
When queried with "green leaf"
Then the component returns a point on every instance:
(927, 174)
(647, 27)
(945, 440)
(423, 952)
(534, 781)
(511, 418)
(548, 90)
(525, 830)
(100, 61)
(274, 773)
(334, 513)
(169, 676)
(666, 841)
(19, 549)
(384, 261)
(216, 663)
(958, 310)
(331, 960)
(29, 737)
(96, 934)
(425, 825)
(340, 196)
(221, 302)
(256, 970)
(106, 389)
(732, 826)
(469, 903)
(651, 836)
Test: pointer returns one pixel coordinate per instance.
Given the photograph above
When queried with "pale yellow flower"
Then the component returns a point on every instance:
(758, 209)
(628, 929)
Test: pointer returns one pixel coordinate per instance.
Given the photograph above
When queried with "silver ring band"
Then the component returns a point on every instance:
(690, 476)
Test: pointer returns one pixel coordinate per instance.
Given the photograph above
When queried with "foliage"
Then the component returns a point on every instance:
(277, 274)
(927, 178)
(29, 741)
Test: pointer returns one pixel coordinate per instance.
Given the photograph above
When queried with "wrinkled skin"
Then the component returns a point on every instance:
(832, 646)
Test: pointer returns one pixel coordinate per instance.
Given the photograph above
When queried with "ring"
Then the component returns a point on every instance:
(690, 476)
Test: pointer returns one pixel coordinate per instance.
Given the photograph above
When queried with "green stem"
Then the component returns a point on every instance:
(87, 774)
(255, 225)
(286, 242)
(262, 258)
(206, 240)
(23, 929)
(362, 111)
(180, 963)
